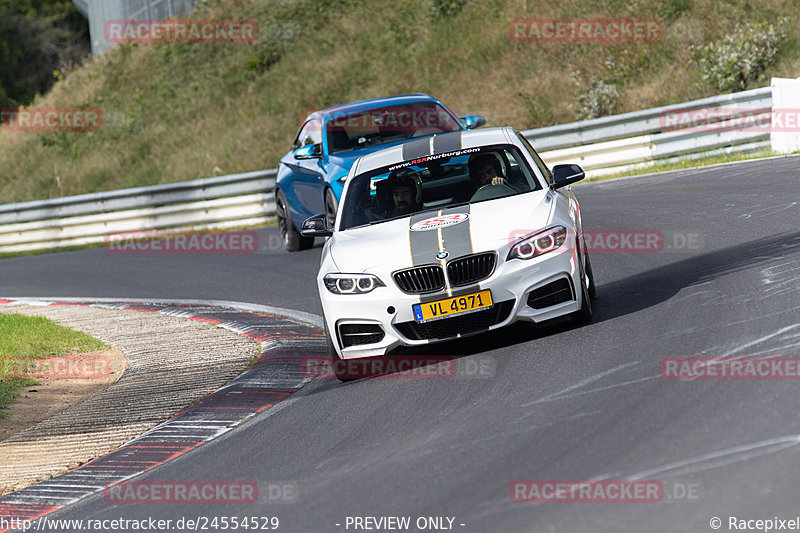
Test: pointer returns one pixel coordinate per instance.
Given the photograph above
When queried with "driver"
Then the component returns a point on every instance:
(486, 169)
(406, 191)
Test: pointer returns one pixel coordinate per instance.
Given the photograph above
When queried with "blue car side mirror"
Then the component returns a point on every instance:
(309, 151)
(473, 121)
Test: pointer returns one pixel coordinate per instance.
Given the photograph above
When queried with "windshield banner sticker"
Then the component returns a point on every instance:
(433, 157)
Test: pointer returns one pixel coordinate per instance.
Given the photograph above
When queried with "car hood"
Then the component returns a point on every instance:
(492, 225)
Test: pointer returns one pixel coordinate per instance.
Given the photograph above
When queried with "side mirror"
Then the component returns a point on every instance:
(564, 175)
(309, 151)
(473, 121)
(316, 226)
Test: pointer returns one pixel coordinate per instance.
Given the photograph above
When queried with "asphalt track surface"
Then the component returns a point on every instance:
(564, 403)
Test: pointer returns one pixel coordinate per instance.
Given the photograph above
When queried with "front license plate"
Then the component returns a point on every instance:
(448, 307)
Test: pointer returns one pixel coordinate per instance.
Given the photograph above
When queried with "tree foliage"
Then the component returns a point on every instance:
(743, 56)
(37, 39)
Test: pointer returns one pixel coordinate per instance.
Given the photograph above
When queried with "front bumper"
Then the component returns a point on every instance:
(535, 290)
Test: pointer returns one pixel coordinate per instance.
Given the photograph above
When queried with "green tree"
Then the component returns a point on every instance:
(37, 38)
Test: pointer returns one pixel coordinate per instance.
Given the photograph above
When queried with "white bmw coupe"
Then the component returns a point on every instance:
(449, 236)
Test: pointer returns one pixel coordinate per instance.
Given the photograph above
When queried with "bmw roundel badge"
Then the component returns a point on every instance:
(442, 255)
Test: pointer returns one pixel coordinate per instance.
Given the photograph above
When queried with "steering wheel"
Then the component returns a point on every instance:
(489, 191)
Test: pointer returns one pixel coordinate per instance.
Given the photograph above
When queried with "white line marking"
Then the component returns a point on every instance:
(587, 381)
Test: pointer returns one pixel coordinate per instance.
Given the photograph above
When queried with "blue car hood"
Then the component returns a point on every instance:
(344, 160)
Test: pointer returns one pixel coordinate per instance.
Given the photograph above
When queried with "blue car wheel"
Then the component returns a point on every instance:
(292, 240)
(331, 206)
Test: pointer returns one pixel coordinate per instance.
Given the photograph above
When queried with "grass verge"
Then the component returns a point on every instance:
(687, 164)
(6, 255)
(25, 338)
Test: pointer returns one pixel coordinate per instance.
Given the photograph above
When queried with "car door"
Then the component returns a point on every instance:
(308, 175)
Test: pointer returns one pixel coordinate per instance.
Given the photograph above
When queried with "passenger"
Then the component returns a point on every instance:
(406, 191)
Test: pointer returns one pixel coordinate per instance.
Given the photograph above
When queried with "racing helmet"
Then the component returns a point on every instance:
(407, 177)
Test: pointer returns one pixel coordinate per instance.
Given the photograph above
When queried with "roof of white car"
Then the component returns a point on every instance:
(443, 143)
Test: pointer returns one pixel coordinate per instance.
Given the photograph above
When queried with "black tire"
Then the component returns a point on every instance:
(331, 205)
(590, 274)
(292, 240)
(584, 314)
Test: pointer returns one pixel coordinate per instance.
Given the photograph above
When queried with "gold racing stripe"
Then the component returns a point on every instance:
(443, 262)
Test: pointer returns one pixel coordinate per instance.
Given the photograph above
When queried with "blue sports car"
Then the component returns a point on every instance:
(311, 175)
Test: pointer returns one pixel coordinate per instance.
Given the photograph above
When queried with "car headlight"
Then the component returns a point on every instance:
(352, 283)
(539, 243)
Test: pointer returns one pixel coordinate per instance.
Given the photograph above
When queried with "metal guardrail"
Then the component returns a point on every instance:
(600, 146)
(638, 122)
(212, 203)
(619, 142)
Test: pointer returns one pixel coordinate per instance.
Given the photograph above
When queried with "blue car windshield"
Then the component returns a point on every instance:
(388, 124)
(435, 182)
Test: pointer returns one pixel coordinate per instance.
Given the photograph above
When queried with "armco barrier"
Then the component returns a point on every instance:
(601, 146)
(638, 123)
(212, 203)
(619, 142)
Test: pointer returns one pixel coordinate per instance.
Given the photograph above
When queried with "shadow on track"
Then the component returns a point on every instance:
(638, 292)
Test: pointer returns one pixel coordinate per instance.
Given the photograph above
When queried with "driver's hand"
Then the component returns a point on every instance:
(498, 181)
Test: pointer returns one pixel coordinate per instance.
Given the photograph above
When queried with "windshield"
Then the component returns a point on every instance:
(435, 182)
(388, 124)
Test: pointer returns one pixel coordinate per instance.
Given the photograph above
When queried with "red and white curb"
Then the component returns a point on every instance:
(286, 339)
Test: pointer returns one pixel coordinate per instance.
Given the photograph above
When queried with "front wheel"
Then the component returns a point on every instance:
(590, 275)
(292, 240)
(584, 314)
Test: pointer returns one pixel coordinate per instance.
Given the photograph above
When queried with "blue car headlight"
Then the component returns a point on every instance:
(539, 243)
(351, 283)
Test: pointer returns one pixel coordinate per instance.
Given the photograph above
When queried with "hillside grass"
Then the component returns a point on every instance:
(175, 112)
